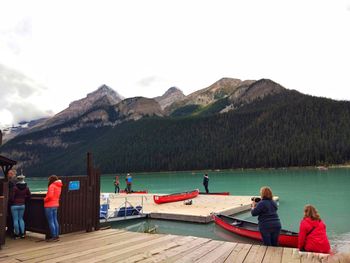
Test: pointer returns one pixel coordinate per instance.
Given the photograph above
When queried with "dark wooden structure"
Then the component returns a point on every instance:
(79, 205)
(6, 165)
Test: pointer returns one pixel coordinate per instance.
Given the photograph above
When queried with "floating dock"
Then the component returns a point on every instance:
(115, 245)
(199, 212)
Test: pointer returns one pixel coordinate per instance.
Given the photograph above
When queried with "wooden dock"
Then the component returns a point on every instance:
(199, 212)
(114, 245)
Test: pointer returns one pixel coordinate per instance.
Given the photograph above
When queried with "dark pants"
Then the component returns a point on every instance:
(206, 188)
(116, 189)
(128, 188)
(270, 236)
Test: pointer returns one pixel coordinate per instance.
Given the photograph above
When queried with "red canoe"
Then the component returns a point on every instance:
(134, 192)
(160, 199)
(218, 193)
(250, 229)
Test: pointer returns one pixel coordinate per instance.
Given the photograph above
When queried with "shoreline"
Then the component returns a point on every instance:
(332, 166)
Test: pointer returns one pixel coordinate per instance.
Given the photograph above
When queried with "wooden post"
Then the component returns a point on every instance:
(90, 193)
(96, 210)
(2, 220)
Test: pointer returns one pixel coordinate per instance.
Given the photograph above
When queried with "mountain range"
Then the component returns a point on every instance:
(229, 124)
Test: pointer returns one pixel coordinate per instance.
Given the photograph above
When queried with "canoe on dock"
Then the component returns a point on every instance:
(217, 193)
(250, 230)
(160, 199)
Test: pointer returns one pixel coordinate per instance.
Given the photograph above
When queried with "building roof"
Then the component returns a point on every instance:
(6, 161)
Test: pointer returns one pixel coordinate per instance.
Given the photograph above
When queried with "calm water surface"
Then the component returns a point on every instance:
(327, 190)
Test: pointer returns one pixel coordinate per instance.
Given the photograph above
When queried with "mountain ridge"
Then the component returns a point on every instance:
(267, 125)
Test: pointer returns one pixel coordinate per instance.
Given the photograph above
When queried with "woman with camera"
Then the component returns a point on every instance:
(266, 210)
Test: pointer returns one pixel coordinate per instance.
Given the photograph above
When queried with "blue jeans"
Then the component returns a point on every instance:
(17, 216)
(270, 236)
(51, 215)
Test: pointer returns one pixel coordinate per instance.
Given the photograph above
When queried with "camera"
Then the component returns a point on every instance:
(256, 199)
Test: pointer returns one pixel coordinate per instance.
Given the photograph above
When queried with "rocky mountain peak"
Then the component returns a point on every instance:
(101, 92)
(255, 90)
(172, 95)
(103, 96)
(171, 91)
(138, 107)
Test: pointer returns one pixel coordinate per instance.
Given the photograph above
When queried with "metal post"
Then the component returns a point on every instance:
(142, 206)
(125, 208)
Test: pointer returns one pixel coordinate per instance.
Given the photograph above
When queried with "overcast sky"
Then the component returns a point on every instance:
(54, 52)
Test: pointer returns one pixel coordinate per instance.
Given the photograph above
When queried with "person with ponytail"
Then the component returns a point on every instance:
(51, 204)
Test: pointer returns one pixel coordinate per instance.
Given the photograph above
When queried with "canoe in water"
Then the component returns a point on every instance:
(250, 230)
(160, 199)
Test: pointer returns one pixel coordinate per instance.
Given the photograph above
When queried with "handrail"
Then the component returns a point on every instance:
(127, 203)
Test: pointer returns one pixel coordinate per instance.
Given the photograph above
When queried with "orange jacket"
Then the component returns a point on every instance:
(52, 198)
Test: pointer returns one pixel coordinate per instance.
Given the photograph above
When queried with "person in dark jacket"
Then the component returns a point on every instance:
(206, 182)
(312, 232)
(20, 193)
(269, 223)
(12, 180)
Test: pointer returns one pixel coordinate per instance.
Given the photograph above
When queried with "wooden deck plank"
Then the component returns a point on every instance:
(200, 252)
(66, 250)
(124, 251)
(290, 256)
(123, 246)
(150, 254)
(63, 245)
(273, 255)
(147, 252)
(64, 240)
(178, 252)
(8, 260)
(308, 257)
(219, 254)
(256, 254)
(239, 253)
(80, 256)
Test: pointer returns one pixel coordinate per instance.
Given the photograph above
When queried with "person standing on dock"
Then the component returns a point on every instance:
(51, 204)
(206, 183)
(116, 185)
(128, 183)
(18, 197)
(269, 222)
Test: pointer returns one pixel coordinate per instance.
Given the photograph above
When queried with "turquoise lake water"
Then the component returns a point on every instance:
(327, 190)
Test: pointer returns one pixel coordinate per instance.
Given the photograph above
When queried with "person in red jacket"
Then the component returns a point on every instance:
(312, 232)
(51, 204)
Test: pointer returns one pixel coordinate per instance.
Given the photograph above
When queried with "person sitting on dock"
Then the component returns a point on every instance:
(116, 185)
(312, 232)
(269, 222)
(206, 183)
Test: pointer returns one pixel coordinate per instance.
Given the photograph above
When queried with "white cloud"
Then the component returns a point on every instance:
(144, 47)
(17, 95)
